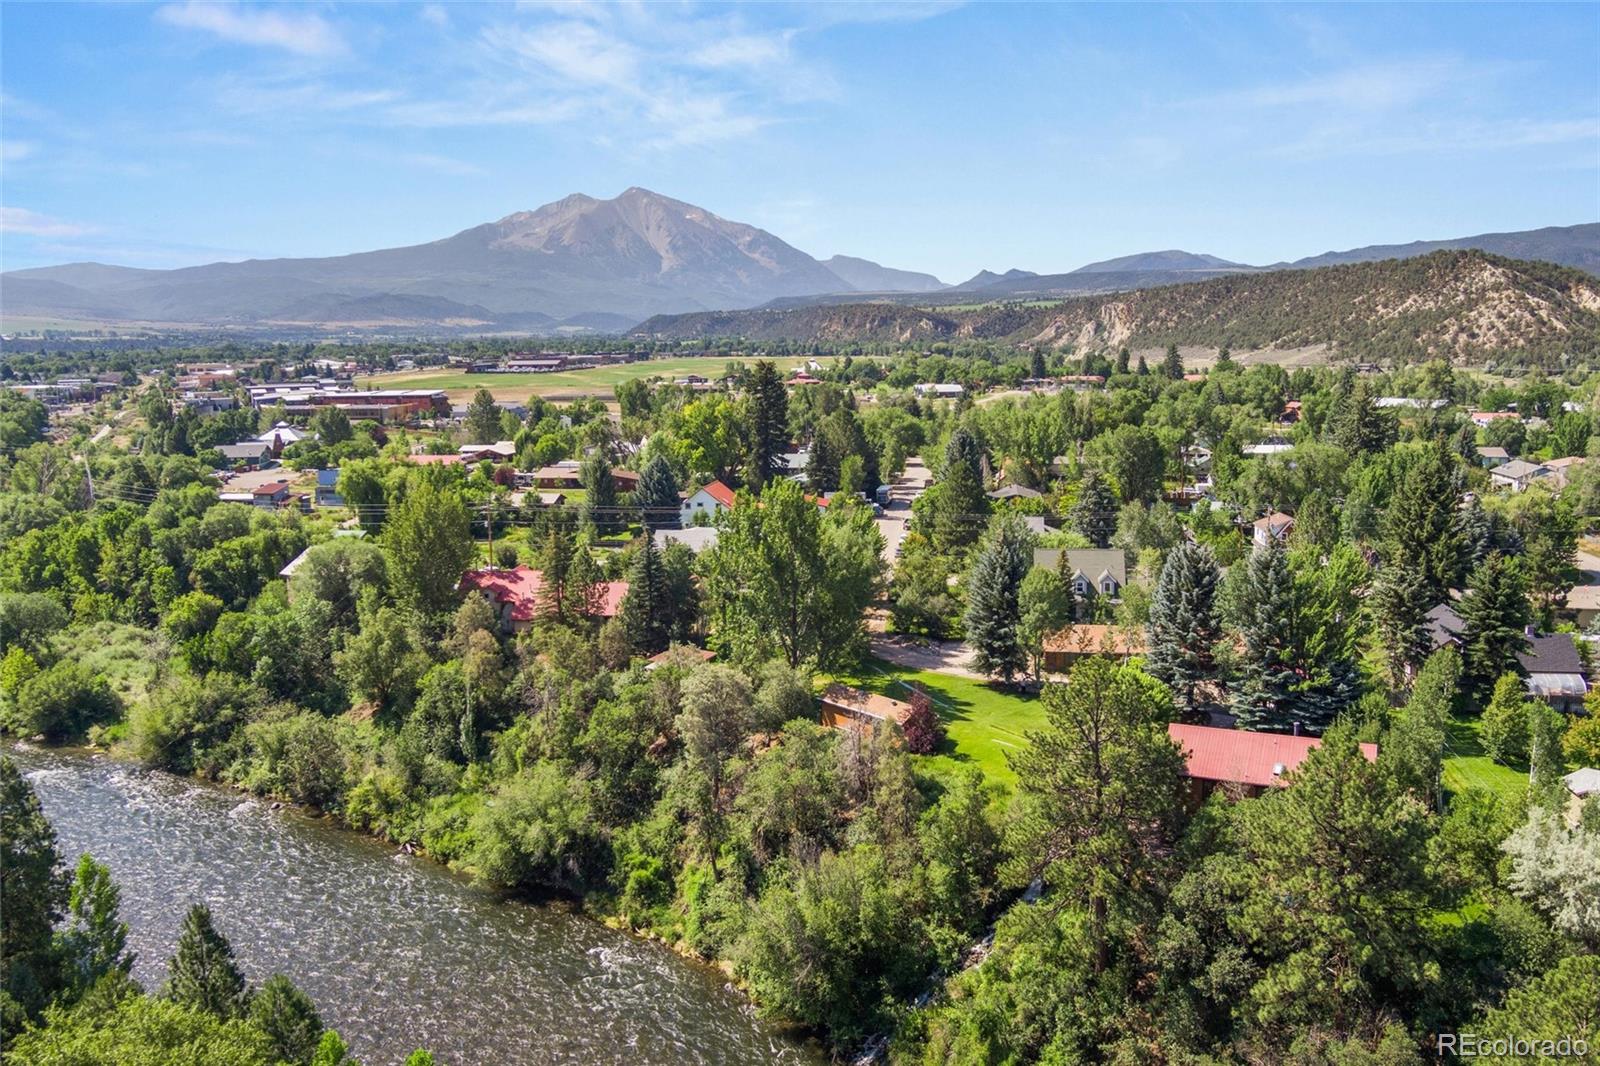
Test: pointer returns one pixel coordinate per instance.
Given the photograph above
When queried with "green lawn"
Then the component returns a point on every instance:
(1466, 766)
(598, 381)
(982, 722)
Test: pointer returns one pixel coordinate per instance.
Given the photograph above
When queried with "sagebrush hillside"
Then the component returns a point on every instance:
(1463, 305)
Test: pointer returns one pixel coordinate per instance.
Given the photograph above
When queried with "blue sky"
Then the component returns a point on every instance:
(923, 135)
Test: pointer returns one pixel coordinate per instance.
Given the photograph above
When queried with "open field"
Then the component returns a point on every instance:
(982, 722)
(563, 385)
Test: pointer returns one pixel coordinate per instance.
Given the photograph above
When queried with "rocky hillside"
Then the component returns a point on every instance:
(1465, 305)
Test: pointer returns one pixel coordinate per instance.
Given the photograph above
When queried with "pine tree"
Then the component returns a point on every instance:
(1225, 358)
(1264, 696)
(822, 465)
(95, 941)
(1172, 365)
(1399, 607)
(1494, 613)
(202, 973)
(994, 617)
(556, 563)
(1094, 514)
(646, 615)
(657, 495)
(34, 889)
(1184, 627)
(1122, 360)
(1036, 365)
(601, 508)
(1359, 427)
(769, 424)
(1420, 527)
(1144, 367)
(289, 1019)
(482, 423)
(582, 587)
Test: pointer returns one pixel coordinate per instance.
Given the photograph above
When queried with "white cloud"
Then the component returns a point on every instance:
(302, 34)
(11, 150)
(30, 223)
(745, 50)
(434, 15)
(443, 164)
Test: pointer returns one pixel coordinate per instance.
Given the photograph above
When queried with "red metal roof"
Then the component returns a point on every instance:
(719, 492)
(523, 587)
(1241, 757)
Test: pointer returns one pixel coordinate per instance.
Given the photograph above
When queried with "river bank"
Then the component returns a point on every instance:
(397, 950)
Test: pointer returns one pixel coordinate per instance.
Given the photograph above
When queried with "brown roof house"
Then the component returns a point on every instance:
(844, 707)
(1076, 642)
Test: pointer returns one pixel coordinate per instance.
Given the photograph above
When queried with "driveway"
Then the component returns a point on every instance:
(938, 656)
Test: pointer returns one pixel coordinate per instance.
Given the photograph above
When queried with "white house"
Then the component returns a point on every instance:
(1274, 525)
(1516, 475)
(707, 500)
(942, 390)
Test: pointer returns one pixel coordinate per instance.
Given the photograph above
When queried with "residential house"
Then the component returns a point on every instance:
(1485, 418)
(520, 593)
(1270, 446)
(559, 475)
(1516, 475)
(844, 707)
(1290, 414)
(272, 495)
(1037, 525)
(696, 538)
(1063, 649)
(1100, 571)
(1555, 671)
(1015, 492)
(707, 500)
(626, 480)
(1583, 784)
(501, 451)
(1274, 525)
(251, 455)
(1581, 605)
(1559, 469)
(940, 390)
(1239, 760)
(1490, 457)
(687, 654)
(328, 488)
(1444, 626)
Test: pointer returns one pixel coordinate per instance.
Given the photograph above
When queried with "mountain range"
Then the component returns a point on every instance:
(583, 263)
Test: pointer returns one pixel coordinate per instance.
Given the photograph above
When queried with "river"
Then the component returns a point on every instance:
(397, 951)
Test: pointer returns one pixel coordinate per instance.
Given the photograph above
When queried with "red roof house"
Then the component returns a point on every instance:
(1253, 761)
(520, 593)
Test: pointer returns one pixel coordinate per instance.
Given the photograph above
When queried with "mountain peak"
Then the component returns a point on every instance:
(1170, 259)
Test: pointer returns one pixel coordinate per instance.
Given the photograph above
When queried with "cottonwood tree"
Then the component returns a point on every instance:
(430, 544)
(994, 614)
(1045, 604)
(1184, 626)
(1100, 791)
(784, 579)
(482, 423)
(35, 890)
(95, 940)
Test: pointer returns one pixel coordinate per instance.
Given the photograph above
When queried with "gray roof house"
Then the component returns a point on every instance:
(1555, 671)
(1015, 492)
(1444, 625)
(250, 453)
(1516, 475)
(1101, 570)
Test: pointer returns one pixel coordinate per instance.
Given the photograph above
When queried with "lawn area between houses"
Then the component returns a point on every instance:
(982, 722)
(1466, 766)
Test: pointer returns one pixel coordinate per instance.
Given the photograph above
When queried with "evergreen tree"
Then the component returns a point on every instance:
(1184, 627)
(994, 618)
(769, 424)
(482, 424)
(657, 495)
(952, 512)
(1094, 513)
(602, 509)
(1172, 365)
(964, 449)
(646, 615)
(1494, 613)
(1413, 748)
(822, 465)
(1359, 427)
(1420, 527)
(1123, 358)
(289, 1019)
(1399, 607)
(1036, 364)
(1503, 727)
(202, 973)
(1144, 367)
(1225, 359)
(34, 889)
(581, 591)
(331, 425)
(1264, 693)
(95, 941)
(556, 562)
